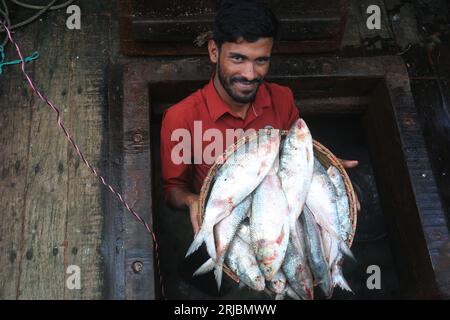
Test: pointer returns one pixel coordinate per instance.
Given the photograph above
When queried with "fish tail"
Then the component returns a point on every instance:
(338, 279)
(204, 268)
(218, 271)
(201, 237)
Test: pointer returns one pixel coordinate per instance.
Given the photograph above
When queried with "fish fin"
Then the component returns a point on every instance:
(346, 250)
(338, 279)
(241, 284)
(201, 237)
(211, 246)
(198, 240)
(204, 268)
(218, 271)
(279, 296)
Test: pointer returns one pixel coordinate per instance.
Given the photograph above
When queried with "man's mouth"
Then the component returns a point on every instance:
(246, 86)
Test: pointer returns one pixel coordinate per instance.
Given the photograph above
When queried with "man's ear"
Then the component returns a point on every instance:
(213, 51)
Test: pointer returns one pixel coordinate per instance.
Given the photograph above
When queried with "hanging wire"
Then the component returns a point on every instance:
(42, 9)
(31, 6)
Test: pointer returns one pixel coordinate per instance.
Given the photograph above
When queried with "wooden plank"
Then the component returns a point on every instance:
(113, 248)
(138, 243)
(15, 121)
(127, 242)
(42, 265)
(86, 101)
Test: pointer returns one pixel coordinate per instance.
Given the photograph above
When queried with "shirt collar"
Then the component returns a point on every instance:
(217, 107)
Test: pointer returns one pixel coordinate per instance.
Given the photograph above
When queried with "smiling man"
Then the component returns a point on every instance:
(237, 97)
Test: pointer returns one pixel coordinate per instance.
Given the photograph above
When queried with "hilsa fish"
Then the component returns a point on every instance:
(296, 170)
(269, 224)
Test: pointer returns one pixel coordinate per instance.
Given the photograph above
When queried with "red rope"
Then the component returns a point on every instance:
(80, 154)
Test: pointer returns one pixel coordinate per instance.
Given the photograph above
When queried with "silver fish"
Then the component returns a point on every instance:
(345, 226)
(315, 249)
(224, 233)
(322, 203)
(241, 260)
(239, 175)
(269, 224)
(298, 273)
(296, 169)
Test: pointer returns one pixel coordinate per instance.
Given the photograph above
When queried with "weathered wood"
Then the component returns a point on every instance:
(15, 121)
(86, 100)
(51, 214)
(113, 248)
(42, 263)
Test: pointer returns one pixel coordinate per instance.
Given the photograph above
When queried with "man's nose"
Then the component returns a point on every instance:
(249, 71)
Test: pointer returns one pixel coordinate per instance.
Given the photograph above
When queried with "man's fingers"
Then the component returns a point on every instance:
(358, 204)
(347, 164)
(196, 229)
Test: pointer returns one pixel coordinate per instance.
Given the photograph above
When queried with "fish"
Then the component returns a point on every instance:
(345, 226)
(342, 202)
(298, 273)
(322, 203)
(269, 224)
(296, 170)
(241, 260)
(316, 253)
(296, 269)
(239, 176)
(224, 233)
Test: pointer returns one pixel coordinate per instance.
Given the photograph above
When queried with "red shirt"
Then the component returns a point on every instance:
(273, 106)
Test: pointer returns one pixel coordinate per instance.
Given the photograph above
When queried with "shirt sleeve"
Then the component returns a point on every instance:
(293, 113)
(174, 173)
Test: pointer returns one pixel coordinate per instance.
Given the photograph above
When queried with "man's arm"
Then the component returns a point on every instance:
(181, 198)
(176, 176)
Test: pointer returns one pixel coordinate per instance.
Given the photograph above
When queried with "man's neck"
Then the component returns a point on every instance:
(236, 108)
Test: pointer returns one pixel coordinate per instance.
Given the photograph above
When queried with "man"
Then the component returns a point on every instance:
(237, 97)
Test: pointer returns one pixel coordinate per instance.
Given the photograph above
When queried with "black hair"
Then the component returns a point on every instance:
(249, 20)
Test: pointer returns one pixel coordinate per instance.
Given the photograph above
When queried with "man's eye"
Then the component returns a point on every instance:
(237, 58)
(262, 60)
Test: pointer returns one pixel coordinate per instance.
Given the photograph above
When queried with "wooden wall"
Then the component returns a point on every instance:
(50, 204)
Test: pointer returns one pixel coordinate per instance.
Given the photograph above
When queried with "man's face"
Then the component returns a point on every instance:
(242, 66)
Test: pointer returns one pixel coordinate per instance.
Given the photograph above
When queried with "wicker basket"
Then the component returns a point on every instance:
(322, 154)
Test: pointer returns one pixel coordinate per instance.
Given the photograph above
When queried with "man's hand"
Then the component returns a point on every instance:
(348, 164)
